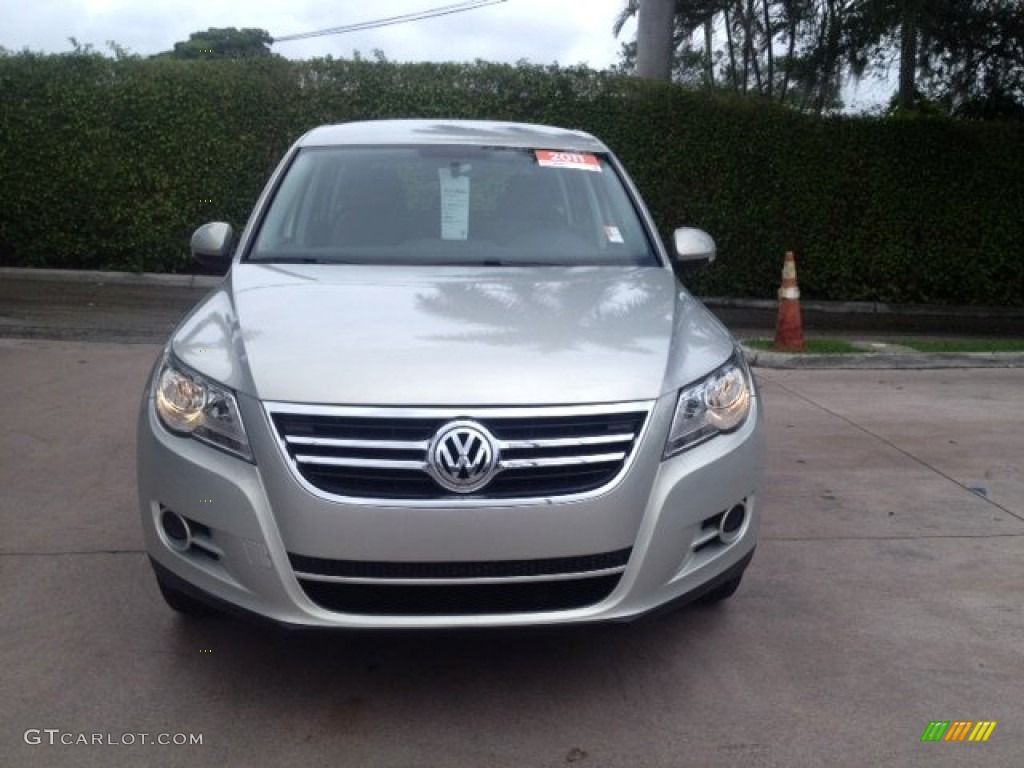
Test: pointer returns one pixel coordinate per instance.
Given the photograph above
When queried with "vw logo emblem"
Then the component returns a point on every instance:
(463, 456)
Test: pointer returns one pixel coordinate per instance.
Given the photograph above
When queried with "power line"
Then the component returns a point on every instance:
(444, 10)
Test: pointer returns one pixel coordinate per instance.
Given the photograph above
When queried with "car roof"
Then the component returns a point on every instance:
(474, 132)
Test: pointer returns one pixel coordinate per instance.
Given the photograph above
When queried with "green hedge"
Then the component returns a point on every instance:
(110, 164)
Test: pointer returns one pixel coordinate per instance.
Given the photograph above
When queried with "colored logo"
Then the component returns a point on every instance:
(958, 730)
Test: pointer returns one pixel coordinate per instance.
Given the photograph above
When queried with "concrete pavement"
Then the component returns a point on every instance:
(885, 594)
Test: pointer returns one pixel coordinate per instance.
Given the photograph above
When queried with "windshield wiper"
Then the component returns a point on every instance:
(497, 263)
(297, 260)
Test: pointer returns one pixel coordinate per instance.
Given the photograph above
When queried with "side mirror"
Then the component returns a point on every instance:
(694, 247)
(211, 245)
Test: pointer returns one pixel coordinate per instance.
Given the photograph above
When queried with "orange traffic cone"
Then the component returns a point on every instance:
(789, 331)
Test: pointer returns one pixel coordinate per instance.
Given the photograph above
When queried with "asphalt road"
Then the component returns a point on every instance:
(885, 594)
(92, 310)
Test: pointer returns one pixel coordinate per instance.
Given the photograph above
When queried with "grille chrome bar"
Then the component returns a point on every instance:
(453, 581)
(332, 461)
(421, 445)
(564, 442)
(386, 445)
(561, 461)
(375, 570)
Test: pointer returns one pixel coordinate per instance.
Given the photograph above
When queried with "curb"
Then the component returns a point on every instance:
(101, 277)
(903, 361)
(868, 308)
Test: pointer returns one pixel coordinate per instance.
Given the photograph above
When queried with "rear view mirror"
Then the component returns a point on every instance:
(694, 247)
(211, 245)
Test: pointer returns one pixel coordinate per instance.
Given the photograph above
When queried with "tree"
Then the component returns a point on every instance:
(974, 65)
(754, 46)
(963, 54)
(874, 28)
(689, 15)
(965, 57)
(226, 43)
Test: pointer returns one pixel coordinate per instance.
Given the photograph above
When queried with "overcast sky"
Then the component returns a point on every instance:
(541, 31)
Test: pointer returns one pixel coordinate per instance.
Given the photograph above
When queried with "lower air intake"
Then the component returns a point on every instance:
(461, 599)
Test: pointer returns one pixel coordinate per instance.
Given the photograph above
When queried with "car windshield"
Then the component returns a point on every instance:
(451, 205)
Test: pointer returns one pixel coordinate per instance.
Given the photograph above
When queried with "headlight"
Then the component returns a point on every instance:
(717, 403)
(188, 403)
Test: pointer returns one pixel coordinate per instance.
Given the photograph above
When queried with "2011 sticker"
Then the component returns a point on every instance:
(579, 160)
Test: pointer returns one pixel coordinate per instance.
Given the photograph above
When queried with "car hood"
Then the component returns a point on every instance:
(387, 335)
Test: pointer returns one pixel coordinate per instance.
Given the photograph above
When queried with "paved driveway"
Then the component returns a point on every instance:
(885, 594)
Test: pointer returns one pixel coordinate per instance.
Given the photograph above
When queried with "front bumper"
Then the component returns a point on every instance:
(251, 521)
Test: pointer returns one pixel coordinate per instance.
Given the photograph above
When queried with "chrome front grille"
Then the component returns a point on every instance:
(459, 588)
(384, 453)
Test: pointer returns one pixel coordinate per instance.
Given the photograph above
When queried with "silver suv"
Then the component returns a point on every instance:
(450, 380)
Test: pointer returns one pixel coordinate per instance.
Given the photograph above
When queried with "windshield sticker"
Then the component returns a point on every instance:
(613, 234)
(582, 162)
(454, 205)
